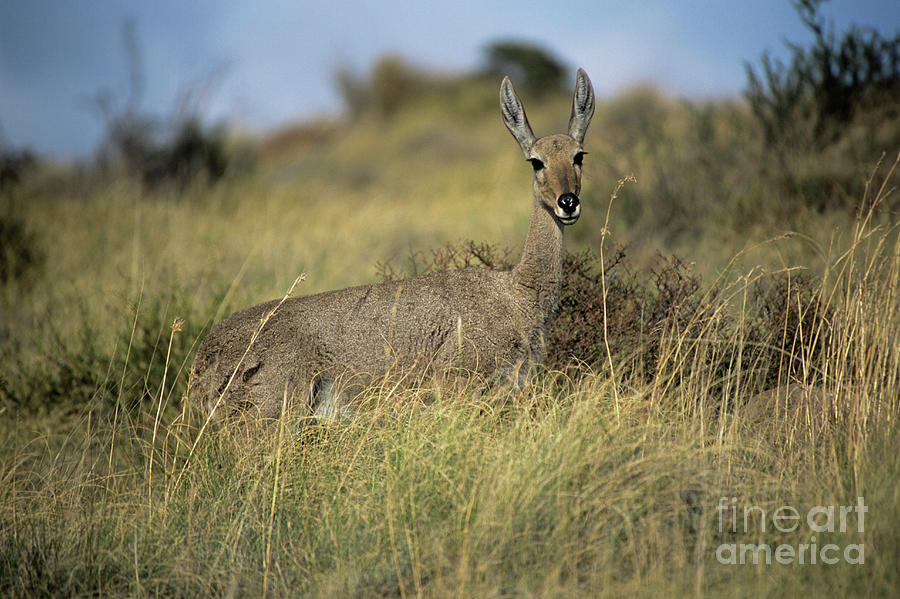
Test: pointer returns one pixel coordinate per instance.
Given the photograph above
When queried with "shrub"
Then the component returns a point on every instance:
(353, 89)
(532, 67)
(19, 251)
(826, 85)
(449, 257)
(13, 165)
(828, 114)
(634, 313)
(392, 85)
(191, 153)
(195, 153)
(786, 332)
(178, 151)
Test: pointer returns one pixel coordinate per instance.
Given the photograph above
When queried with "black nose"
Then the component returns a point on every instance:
(568, 202)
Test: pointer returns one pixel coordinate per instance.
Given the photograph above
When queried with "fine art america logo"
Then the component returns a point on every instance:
(819, 521)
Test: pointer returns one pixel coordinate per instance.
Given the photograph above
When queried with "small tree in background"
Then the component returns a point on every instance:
(392, 85)
(19, 249)
(826, 85)
(532, 67)
(178, 150)
(13, 165)
(354, 90)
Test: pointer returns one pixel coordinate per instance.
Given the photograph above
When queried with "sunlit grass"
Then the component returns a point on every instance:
(592, 482)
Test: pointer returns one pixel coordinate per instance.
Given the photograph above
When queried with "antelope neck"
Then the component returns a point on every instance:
(539, 271)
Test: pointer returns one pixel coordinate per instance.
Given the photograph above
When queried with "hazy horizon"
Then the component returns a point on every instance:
(259, 67)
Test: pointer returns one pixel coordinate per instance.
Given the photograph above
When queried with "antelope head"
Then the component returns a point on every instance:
(556, 159)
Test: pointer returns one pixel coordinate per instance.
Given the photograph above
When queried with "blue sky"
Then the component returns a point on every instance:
(260, 64)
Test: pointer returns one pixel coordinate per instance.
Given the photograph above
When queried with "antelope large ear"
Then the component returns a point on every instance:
(582, 107)
(514, 117)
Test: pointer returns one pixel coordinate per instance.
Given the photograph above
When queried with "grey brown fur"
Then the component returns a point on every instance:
(321, 350)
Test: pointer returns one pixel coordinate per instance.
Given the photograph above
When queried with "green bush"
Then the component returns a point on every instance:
(179, 150)
(826, 85)
(392, 85)
(13, 166)
(195, 153)
(19, 249)
(191, 153)
(533, 68)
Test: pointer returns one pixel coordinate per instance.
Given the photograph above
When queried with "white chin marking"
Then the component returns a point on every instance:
(568, 219)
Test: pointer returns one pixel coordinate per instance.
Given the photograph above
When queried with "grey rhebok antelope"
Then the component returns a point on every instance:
(322, 350)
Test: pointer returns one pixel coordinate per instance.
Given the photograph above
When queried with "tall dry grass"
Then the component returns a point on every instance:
(605, 483)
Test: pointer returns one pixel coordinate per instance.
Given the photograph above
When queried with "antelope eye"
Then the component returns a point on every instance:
(536, 164)
(579, 158)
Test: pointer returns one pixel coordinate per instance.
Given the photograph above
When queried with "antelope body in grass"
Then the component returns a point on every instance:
(322, 350)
